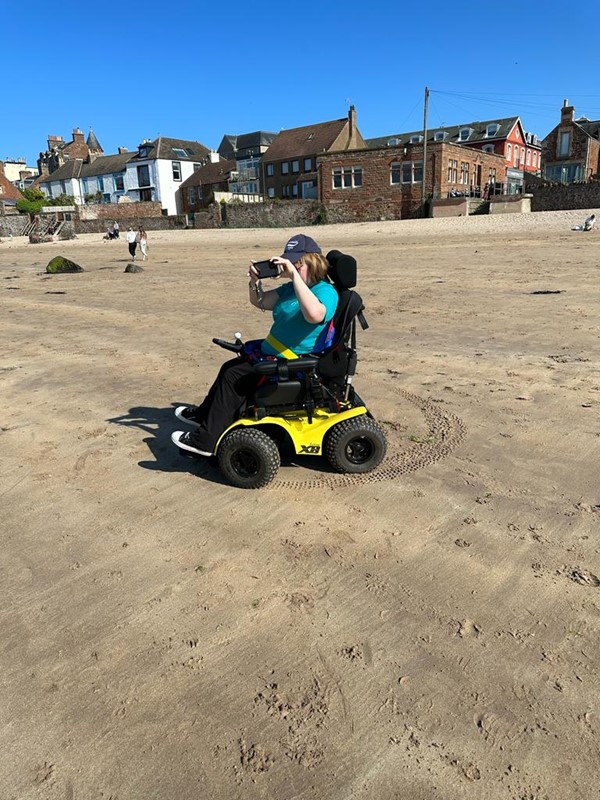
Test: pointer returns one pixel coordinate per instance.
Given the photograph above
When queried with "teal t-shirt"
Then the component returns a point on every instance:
(289, 326)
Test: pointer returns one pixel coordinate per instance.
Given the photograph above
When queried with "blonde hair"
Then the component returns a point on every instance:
(317, 267)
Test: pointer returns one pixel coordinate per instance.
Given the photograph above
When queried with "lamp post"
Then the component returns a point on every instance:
(425, 108)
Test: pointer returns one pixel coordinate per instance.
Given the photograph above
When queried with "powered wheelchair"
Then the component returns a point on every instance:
(308, 402)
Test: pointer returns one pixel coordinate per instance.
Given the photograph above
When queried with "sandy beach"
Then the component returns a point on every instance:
(425, 632)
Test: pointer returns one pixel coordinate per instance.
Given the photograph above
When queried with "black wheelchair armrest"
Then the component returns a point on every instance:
(235, 347)
(283, 366)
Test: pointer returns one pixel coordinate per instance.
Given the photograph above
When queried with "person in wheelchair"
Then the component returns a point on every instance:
(302, 308)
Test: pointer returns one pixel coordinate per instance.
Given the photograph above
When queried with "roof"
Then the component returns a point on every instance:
(305, 141)
(92, 142)
(165, 147)
(106, 165)
(68, 170)
(591, 127)
(478, 133)
(210, 173)
(246, 143)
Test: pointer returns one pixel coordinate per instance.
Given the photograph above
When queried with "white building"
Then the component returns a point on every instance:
(154, 172)
(158, 169)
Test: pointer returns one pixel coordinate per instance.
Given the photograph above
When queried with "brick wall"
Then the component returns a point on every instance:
(118, 211)
(378, 198)
(559, 197)
(583, 149)
(275, 214)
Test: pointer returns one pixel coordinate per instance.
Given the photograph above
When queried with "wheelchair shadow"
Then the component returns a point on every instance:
(160, 423)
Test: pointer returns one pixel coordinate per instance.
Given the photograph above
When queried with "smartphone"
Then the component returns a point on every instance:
(266, 269)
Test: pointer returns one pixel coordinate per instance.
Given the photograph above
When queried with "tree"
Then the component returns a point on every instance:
(32, 202)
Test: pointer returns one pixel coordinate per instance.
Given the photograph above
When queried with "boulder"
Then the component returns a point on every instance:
(133, 268)
(60, 264)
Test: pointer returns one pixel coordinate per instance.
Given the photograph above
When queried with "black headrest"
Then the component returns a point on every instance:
(342, 270)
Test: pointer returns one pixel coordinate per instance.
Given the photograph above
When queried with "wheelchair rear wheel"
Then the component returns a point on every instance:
(355, 445)
(248, 458)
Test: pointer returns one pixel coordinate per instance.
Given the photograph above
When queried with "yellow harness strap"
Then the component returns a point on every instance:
(282, 350)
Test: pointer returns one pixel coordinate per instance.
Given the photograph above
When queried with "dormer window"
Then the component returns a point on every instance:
(439, 136)
(492, 129)
(464, 134)
(393, 142)
(143, 151)
(310, 136)
(416, 139)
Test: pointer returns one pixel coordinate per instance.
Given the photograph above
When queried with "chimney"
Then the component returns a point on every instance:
(214, 157)
(351, 127)
(1, 168)
(78, 136)
(54, 141)
(123, 150)
(567, 113)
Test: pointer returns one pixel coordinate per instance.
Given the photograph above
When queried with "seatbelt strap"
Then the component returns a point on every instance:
(281, 349)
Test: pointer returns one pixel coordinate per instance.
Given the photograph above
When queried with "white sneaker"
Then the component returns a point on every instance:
(182, 440)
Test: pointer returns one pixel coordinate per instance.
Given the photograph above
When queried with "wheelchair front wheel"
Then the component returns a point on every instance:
(248, 458)
(355, 445)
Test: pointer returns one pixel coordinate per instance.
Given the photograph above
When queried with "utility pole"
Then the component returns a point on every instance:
(425, 108)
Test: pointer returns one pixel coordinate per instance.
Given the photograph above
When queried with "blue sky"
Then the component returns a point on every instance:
(199, 70)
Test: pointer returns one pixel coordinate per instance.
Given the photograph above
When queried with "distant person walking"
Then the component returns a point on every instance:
(131, 242)
(115, 230)
(588, 225)
(143, 240)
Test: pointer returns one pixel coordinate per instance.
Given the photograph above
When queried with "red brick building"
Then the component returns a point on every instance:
(197, 192)
(9, 194)
(59, 151)
(571, 151)
(505, 137)
(387, 182)
(290, 163)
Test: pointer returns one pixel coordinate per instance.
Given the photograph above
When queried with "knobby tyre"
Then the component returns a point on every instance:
(248, 458)
(356, 445)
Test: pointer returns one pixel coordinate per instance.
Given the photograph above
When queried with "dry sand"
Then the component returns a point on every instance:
(428, 631)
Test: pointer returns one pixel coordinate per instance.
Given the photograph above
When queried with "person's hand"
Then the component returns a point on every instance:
(286, 267)
(253, 274)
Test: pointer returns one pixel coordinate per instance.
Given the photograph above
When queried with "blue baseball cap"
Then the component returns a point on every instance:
(298, 246)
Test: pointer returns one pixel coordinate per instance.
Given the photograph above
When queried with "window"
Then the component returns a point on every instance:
(439, 136)
(295, 166)
(191, 193)
(516, 158)
(416, 139)
(100, 183)
(395, 173)
(197, 167)
(143, 151)
(564, 143)
(492, 129)
(488, 148)
(464, 172)
(285, 191)
(63, 187)
(295, 190)
(534, 159)
(271, 191)
(270, 170)
(528, 162)
(508, 151)
(452, 170)
(347, 177)
(307, 164)
(393, 142)
(464, 134)
(176, 170)
(522, 156)
(143, 174)
(84, 185)
(49, 188)
(412, 172)
(285, 167)
(119, 183)
(180, 152)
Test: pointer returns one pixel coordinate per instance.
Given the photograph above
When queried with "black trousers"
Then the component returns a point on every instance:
(132, 247)
(235, 382)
